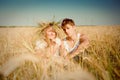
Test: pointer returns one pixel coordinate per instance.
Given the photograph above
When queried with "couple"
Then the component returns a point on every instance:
(68, 48)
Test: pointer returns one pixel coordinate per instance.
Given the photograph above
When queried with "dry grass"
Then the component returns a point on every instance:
(101, 59)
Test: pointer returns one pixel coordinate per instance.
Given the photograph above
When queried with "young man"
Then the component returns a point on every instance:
(75, 42)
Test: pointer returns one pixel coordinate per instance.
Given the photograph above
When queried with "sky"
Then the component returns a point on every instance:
(83, 12)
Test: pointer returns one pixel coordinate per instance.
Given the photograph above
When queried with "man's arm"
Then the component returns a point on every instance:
(84, 43)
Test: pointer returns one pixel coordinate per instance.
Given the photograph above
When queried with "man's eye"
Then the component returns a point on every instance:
(67, 28)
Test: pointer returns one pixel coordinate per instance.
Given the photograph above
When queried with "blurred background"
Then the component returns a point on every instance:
(83, 12)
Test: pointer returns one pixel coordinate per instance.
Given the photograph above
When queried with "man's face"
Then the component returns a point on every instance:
(69, 30)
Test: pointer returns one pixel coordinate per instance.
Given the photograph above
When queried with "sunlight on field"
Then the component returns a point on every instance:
(101, 59)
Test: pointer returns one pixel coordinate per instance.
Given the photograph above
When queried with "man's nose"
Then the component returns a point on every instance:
(67, 30)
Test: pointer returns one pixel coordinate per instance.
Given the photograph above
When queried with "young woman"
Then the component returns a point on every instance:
(49, 45)
(47, 48)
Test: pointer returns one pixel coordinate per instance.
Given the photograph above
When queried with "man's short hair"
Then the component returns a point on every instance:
(67, 21)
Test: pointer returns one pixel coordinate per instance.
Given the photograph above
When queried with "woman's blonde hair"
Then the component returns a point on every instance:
(43, 32)
(50, 25)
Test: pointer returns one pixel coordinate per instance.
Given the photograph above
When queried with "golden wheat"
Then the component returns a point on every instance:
(101, 59)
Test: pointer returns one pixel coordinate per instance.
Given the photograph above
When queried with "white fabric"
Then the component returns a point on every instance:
(75, 45)
(58, 41)
(41, 44)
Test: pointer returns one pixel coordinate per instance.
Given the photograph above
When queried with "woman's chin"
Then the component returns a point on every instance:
(52, 38)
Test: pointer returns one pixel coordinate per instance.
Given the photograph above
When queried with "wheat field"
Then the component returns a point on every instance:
(101, 61)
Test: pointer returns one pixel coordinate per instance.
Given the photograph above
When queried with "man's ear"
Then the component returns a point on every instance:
(73, 27)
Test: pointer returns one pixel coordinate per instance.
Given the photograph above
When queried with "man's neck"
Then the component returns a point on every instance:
(73, 37)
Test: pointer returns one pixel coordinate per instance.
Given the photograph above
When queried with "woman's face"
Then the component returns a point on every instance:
(50, 33)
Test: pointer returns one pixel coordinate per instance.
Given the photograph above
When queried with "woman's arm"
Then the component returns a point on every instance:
(63, 52)
(39, 48)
